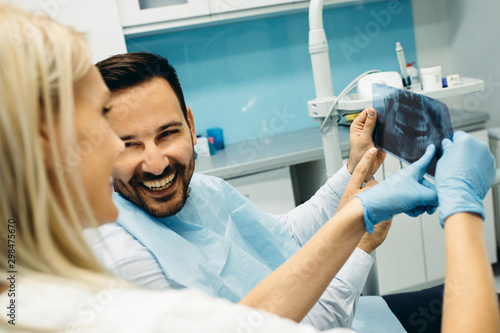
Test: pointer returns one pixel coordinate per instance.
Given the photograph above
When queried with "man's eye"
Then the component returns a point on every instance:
(128, 144)
(167, 133)
(105, 110)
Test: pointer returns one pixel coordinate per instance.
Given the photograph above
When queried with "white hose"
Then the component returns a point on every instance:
(344, 92)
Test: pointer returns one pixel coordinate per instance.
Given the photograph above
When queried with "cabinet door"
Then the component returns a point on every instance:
(99, 19)
(270, 190)
(224, 6)
(400, 259)
(138, 12)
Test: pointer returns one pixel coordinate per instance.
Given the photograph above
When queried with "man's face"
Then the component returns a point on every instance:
(156, 167)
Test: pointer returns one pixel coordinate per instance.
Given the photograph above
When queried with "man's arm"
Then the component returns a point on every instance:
(306, 219)
(292, 289)
(307, 274)
(470, 301)
(336, 306)
(127, 258)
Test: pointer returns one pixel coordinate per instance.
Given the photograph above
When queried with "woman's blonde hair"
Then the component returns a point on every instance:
(41, 203)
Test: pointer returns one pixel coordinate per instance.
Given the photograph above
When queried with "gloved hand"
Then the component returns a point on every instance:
(464, 174)
(404, 192)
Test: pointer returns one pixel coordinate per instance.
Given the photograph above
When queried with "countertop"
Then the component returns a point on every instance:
(247, 157)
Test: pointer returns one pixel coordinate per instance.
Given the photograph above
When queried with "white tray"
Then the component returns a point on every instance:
(469, 85)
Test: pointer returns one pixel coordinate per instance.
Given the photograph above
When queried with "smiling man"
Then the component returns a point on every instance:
(180, 229)
(156, 167)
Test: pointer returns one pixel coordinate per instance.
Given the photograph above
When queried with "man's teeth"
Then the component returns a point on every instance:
(159, 185)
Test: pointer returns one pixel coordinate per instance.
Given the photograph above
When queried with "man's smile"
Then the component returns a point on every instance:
(160, 184)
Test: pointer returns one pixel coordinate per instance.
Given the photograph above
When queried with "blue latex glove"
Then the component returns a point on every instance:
(464, 174)
(404, 192)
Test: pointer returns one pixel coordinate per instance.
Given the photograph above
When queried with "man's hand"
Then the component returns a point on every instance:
(361, 140)
(354, 187)
(369, 242)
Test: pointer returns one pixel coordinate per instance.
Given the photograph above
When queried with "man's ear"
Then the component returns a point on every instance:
(190, 120)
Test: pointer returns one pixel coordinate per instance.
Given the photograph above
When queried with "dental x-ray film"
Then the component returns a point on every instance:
(409, 122)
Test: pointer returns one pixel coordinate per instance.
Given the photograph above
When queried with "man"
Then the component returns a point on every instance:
(177, 229)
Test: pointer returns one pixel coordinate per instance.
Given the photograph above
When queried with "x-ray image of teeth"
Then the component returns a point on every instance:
(408, 122)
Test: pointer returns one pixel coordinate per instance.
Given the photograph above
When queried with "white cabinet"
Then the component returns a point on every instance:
(270, 190)
(413, 255)
(98, 19)
(143, 17)
(225, 6)
(141, 12)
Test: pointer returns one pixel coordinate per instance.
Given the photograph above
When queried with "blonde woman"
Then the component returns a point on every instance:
(57, 155)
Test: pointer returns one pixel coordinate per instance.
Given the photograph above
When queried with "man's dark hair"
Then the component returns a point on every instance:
(128, 70)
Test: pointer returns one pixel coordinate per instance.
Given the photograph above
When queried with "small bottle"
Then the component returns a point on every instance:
(414, 75)
(211, 145)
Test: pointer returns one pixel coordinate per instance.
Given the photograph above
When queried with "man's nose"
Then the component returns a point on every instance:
(155, 161)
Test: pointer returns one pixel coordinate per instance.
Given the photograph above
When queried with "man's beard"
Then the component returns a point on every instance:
(158, 207)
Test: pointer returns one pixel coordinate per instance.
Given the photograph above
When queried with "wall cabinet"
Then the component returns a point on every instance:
(141, 12)
(413, 255)
(225, 6)
(100, 21)
(143, 17)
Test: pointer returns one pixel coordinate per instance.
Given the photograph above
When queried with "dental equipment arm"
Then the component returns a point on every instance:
(318, 48)
(324, 107)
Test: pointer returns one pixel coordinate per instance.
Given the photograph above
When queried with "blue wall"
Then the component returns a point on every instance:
(236, 75)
